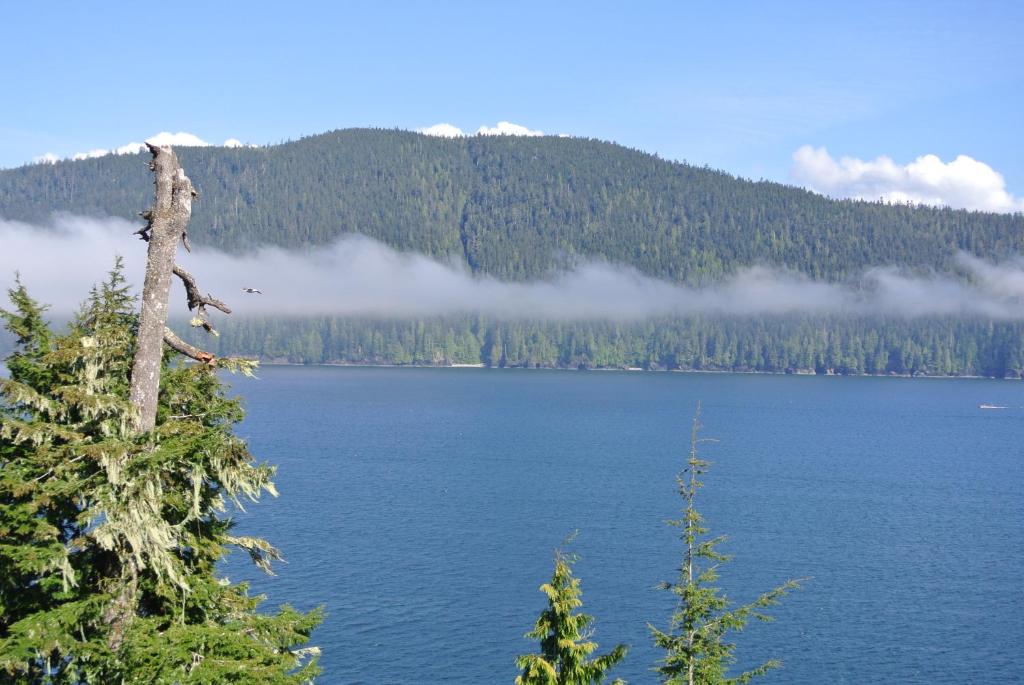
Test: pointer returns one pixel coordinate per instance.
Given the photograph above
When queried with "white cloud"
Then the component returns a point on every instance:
(963, 183)
(442, 130)
(235, 142)
(507, 128)
(503, 128)
(180, 139)
(129, 149)
(91, 154)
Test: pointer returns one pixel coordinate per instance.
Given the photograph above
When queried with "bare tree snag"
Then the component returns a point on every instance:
(168, 220)
(166, 223)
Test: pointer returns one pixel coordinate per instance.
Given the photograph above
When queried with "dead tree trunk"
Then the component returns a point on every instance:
(168, 222)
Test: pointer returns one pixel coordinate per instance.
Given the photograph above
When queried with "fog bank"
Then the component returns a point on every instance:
(357, 276)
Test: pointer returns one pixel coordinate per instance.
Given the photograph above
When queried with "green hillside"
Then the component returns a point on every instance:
(516, 207)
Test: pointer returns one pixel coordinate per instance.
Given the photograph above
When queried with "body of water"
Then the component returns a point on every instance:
(421, 507)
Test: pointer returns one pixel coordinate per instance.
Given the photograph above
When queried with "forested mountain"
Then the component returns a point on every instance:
(518, 208)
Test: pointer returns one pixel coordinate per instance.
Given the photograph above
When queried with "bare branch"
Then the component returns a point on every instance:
(144, 232)
(179, 345)
(195, 298)
(246, 367)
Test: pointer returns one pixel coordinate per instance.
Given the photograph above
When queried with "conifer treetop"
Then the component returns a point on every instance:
(696, 646)
(564, 635)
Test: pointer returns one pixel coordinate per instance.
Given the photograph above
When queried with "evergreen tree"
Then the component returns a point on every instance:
(97, 521)
(564, 645)
(697, 651)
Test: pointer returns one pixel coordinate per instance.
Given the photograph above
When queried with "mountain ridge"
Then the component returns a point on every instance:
(518, 207)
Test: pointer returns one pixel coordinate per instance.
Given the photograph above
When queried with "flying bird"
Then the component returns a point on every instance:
(252, 291)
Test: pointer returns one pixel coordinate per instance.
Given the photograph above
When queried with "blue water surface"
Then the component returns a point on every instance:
(421, 508)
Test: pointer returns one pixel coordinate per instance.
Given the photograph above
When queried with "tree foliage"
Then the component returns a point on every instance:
(564, 635)
(696, 645)
(99, 524)
(794, 344)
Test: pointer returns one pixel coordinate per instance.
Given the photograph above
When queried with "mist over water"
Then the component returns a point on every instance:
(357, 276)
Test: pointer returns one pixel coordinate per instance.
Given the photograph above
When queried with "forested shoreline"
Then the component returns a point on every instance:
(838, 345)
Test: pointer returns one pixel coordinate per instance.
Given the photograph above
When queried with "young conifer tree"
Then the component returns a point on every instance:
(93, 513)
(564, 645)
(697, 651)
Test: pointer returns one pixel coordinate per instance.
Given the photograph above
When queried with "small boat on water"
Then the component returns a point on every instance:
(990, 406)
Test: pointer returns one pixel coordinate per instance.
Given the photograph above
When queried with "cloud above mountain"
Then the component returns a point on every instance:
(442, 131)
(502, 128)
(357, 276)
(507, 128)
(184, 139)
(180, 139)
(963, 183)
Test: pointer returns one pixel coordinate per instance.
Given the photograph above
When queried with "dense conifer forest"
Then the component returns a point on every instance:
(519, 208)
(840, 345)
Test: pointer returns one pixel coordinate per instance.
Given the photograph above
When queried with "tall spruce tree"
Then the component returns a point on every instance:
(697, 651)
(564, 645)
(94, 514)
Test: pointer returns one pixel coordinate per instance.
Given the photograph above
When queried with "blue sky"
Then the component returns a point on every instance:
(738, 86)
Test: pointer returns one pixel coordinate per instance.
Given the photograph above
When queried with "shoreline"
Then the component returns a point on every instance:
(632, 370)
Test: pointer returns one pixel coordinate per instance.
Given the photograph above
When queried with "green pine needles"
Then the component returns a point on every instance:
(697, 651)
(565, 647)
(109, 540)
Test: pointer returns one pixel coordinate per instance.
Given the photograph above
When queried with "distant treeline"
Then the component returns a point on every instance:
(516, 207)
(947, 347)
